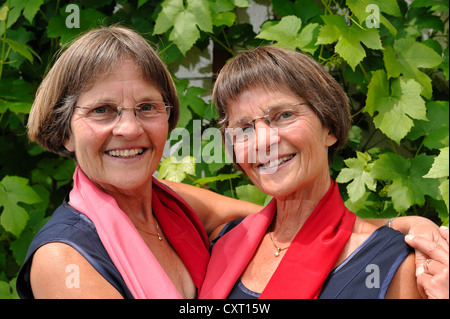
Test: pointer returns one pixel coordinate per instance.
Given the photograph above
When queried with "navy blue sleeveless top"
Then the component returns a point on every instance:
(75, 229)
(365, 274)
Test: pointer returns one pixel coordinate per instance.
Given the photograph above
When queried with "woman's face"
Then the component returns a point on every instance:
(124, 154)
(289, 159)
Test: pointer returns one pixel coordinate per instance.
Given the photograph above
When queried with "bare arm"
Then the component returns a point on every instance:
(404, 284)
(58, 271)
(213, 209)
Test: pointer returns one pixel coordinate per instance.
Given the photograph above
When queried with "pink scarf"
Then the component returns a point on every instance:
(305, 265)
(141, 272)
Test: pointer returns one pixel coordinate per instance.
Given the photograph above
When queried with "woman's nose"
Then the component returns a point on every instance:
(128, 125)
(265, 136)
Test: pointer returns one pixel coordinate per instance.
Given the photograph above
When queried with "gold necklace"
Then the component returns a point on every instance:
(278, 249)
(157, 232)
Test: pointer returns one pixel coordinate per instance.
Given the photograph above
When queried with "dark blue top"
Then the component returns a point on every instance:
(365, 274)
(75, 229)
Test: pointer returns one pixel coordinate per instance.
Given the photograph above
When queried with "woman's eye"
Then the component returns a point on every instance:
(147, 107)
(247, 129)
(102, 110)
(99, 110)
(285, 115)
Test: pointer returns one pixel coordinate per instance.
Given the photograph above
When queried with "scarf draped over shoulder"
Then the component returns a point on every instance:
(144, 276)
(305, 265)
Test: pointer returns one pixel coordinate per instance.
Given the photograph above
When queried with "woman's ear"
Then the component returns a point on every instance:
(69, 144)
(330, 139)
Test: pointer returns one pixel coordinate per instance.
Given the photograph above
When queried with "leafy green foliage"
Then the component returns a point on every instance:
(390, 56)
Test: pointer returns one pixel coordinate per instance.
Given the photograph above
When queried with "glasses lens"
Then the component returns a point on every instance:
(282, 116)
(102, 113)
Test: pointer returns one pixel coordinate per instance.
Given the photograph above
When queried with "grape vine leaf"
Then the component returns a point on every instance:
(175, 171)
(396, 104)
(288, 35)
(440, 165)
(361, 8)
(440, 169)
(436, 129)
(349, 39)
(406, 57)
(251, 193)
(14, 189)
(29, 8)
(359, 170)
(408, 185)
(186, 21)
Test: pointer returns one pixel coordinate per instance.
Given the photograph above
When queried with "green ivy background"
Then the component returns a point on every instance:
(394, 68)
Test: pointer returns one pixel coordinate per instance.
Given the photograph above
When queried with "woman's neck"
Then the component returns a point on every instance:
(294, 210)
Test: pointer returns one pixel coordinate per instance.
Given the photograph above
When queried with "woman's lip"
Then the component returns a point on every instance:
(126, 152)
(278, 157)
(120, 148)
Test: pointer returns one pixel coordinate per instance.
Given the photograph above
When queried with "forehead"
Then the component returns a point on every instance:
(124, 82)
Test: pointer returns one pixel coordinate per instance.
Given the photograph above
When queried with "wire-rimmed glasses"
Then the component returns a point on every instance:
(243, 131)
(108, 113)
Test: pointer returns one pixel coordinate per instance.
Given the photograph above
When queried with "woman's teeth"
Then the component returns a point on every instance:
(126, 153)
(277, 162)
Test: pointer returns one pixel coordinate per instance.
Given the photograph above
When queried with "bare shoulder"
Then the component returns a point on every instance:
(404, 283)
(59, 271)
(361, 231)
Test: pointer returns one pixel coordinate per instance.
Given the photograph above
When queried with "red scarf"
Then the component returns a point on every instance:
(141, 272)
(305, 265)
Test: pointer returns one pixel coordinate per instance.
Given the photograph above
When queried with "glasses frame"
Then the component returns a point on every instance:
(231, 137)
(137, 107)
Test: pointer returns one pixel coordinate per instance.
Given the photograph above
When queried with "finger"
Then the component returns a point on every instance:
(434, 267)
(443, 230)
(430, 248)
(435, 287)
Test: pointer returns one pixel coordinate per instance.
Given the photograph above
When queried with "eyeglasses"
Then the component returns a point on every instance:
(243, 131)
(108, 113)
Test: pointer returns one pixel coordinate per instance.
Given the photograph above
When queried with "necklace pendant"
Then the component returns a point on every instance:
(160, 238)
(277, 253)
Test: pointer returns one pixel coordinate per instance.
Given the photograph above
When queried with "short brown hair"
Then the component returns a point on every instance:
(90, 57)
(289, 72)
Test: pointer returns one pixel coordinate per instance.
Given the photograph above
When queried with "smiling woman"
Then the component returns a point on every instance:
(109, 103)
(305, 243)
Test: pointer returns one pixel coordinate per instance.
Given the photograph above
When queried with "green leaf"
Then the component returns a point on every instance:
(406, 57)
(349, 39)
(14, 190)
(22, 49)
(3, 13)
(436, 129)
(408, 185)
(359, 172)
(395, 106)
(173, 170)
(440, 165)
(443, 188)
(29, 7)
(360, 9)
(186, 21)
(286, 33)
(141, 3)
(89, 18)
(5, 290)
(218, 178)
(251, 193)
